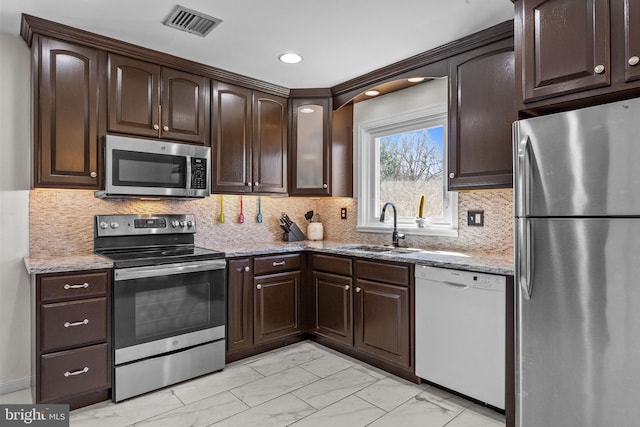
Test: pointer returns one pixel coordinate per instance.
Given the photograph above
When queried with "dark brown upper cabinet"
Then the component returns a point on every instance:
(573, 53)
(67, 104)
(249, 141)
(149, 100)
(481, 110)
(310, 147)
(321, 147)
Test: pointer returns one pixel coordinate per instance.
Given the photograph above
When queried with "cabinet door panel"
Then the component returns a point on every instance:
(564, 42)
(632, 38)
(333, 314)
(231, 148)
(134, 90)
(482, 109)
(276, 306)
(185, 106)
(240, 305)
(382, 321)
(269, 143)
(67, 132)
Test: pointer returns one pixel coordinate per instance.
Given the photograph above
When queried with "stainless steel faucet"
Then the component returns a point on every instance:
(395, 237)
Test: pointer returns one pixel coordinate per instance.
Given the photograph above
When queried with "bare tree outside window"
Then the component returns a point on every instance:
(411, 164)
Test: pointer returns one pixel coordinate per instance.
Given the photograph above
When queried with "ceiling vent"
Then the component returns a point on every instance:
(191, 21)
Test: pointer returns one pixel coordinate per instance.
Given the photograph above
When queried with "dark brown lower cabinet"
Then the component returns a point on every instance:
(276, 306)
(333, 307)
(72, 337)
(239, 304)
(382, 321)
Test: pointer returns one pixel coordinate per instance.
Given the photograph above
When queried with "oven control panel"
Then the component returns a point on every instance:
(138, 224)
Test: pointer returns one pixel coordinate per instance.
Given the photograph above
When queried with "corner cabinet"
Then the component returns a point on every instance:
(67, 105)
(149, 100)
(72, 337)
(481, 110)
(321, 148)
(574, 53)
(249, 141)
(264, 303)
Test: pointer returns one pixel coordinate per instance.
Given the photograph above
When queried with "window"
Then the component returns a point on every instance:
(401, 158)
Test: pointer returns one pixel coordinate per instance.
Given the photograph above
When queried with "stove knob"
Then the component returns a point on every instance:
(174, 223)
(104, 225)
(114, 225)
(189, 224)
(182, 224)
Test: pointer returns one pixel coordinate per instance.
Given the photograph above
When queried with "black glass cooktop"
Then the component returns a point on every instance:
(140, 257)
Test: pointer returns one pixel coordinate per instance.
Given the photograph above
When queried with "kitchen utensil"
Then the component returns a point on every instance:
(309, 216)
(241, 218)
(259, 218)
(221, 219)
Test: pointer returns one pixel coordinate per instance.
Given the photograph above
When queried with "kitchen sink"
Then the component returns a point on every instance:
(380, 249)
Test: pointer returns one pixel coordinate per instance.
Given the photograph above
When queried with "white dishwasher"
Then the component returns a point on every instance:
(460, 332)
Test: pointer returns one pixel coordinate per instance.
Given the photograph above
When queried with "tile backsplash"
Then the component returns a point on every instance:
(61, 221)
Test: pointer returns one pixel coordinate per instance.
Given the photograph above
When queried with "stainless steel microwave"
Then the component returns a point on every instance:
(135, 167)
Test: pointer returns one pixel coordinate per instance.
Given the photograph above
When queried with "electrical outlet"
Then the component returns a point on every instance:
(475, 218)
(343, 213)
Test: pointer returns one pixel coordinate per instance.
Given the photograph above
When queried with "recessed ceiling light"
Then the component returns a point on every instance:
(416, 79)
(307, 110)
(372, 93)
(290, 58)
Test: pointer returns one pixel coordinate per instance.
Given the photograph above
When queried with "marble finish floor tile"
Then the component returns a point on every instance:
(304, 384)
(17, 397)
(338, 386)
(265, 389)
(351, 411)
(202, 413)
(278, 412)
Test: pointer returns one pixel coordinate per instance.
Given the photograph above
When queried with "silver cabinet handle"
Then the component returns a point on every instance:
(634, 60)
(347, 287)
(80, 323)
(81, 371)
(452, 175)
(247, 269)
(248, 184)
(83, 286)
(165, 128)
(256, 183)
(325, 186)
(259, 286)
(156, 127)
(278, 263)
(599, 69)
(93, 174)
(358, 289)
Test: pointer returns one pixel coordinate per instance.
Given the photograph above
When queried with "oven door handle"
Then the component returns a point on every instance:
(167, 269)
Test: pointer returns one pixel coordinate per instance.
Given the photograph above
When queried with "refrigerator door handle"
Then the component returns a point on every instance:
(523, 177)
(524, 259)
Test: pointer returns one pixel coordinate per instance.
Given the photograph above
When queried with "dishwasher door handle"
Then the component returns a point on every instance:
(456, 285)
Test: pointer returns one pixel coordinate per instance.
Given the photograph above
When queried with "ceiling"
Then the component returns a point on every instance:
(338, 39)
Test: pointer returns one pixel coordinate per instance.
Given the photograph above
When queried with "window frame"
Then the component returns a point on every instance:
(367, 173)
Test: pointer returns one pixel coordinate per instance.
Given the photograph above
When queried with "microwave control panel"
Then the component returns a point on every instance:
(198, 173)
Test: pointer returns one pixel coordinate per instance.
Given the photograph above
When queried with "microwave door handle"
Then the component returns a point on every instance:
(189, 177)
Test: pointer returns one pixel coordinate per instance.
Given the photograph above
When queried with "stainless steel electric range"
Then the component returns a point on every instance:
(169, 303)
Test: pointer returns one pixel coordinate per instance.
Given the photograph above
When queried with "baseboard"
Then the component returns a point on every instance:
(15, 385)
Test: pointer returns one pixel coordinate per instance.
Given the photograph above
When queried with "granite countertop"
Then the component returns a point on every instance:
(461, 260)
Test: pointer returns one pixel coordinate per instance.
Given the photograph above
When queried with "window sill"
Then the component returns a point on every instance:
(431, 230)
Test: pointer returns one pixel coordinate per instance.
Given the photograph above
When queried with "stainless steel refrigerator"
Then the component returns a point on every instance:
(577, 208)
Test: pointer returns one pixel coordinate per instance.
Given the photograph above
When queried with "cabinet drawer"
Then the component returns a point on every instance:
(397, 274)
(68, 324)
(275, 264)
(73, 286)
(74, 371)
(332, 264)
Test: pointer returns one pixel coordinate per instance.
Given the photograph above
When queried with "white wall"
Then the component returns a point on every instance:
(15, 167)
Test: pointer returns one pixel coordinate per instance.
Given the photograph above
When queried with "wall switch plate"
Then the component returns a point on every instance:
(343, 213)
(475, 218)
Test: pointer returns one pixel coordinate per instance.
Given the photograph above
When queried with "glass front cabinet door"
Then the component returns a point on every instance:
(310, 147)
